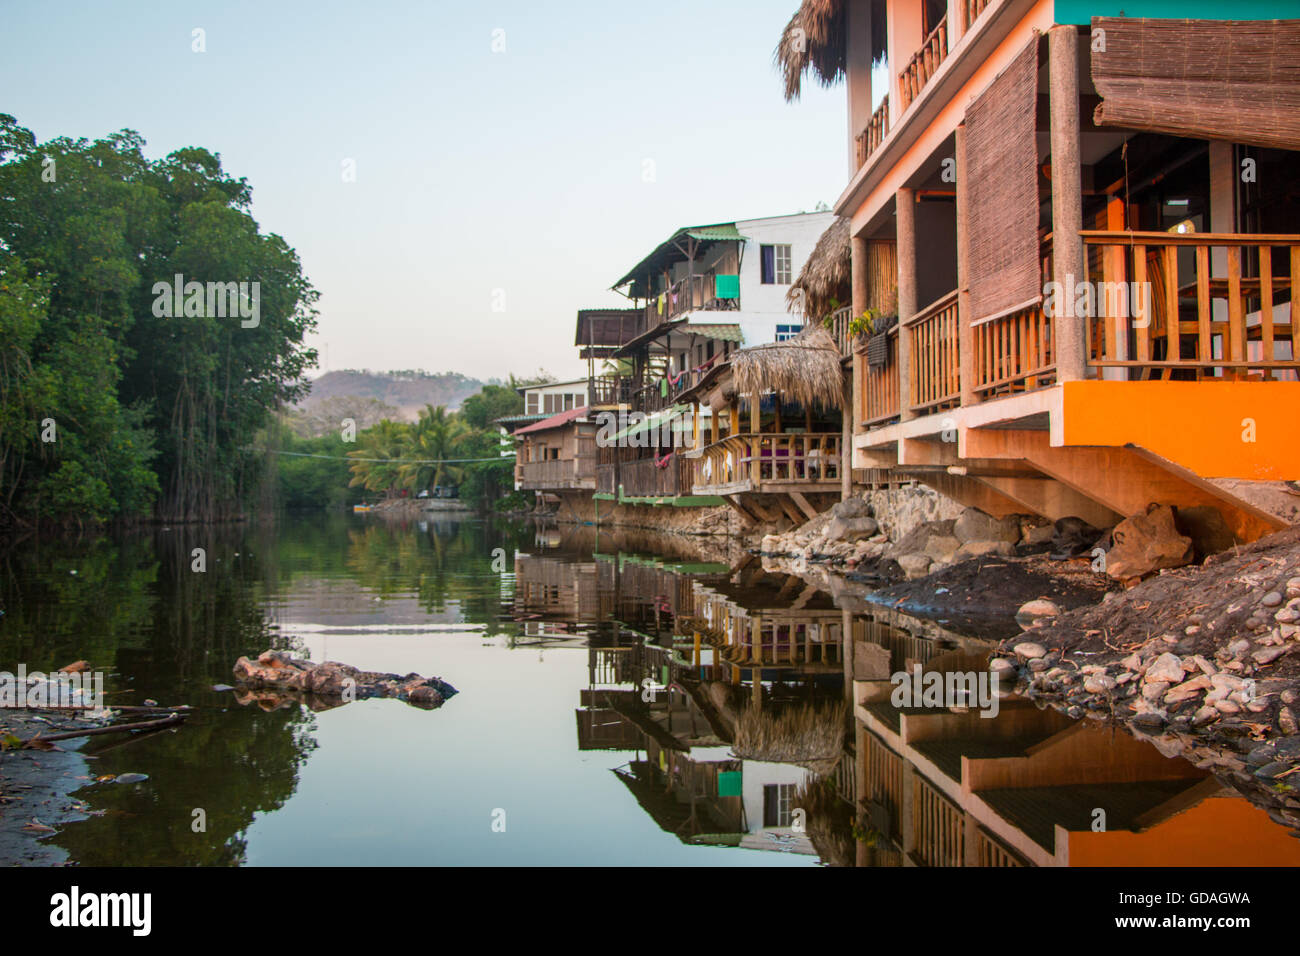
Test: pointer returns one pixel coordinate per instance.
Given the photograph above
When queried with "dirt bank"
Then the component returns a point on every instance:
(1201, 660)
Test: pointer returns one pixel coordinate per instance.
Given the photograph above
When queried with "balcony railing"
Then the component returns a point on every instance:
(690, 294)
(1014, 353)
(938, 827)
(747, 462)
(922, 65)
(1195, 305)
(869, 139)
(838, 323)
(935, 361)
(609, 390)
(880, 386)
(973, 8)
(558, 473)
(661, 476)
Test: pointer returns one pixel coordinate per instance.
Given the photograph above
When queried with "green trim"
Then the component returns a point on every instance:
(1082, 11)
(698, 501)
(602, 496)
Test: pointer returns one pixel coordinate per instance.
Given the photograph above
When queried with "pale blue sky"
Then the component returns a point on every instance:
(518, 170)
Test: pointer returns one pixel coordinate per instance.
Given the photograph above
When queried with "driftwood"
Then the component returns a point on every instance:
(280, 671)
(169, 721)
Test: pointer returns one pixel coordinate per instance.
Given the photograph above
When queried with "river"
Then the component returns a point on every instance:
(551, 752)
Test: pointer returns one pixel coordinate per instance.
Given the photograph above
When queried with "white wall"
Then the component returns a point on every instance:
(763, 307)
(578, 387)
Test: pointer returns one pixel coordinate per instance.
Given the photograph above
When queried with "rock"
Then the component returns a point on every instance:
(1205, 526)
(1031, 613)
(1167, 668)
(76, 667)
(1148, 721)
(1037, 536)
(978, 549)
(1274, 769)
(851, 529)
(1268, 655)
(771, 544)
(1206, 715)
(1271, 599)
(1187, 690)
(1147, 542)
(1029, 650)
(1286, 721)
(332, 681)
(851, 508)
(1155, 690)
(131, 778)
(1099, 684)
(976, 525)
(1073, 536)
(942, 547)
(914, 565)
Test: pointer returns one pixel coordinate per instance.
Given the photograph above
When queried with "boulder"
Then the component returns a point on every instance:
(942, 548)
(1167, 668)
(1032, 612)
(851, 529)
(280, 671)
(1073, 536)
(914, 565)
(976, 525)
(979, 549)
(851, 508)
(1146, 543)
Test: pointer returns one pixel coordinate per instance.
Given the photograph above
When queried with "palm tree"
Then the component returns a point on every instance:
(433, 439)
(385, 440)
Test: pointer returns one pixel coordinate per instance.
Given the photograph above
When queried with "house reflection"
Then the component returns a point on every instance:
(757, 714)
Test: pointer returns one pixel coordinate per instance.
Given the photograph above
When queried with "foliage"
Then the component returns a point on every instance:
(152, 412)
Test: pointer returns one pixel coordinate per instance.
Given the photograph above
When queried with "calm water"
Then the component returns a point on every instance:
(548, 636)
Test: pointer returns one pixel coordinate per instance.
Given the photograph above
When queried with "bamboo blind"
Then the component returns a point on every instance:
(1208, 79)
(1002, 156)
(882, 275)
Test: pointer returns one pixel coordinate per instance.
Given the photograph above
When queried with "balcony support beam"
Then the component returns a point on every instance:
(1067, 195)
(905, 214)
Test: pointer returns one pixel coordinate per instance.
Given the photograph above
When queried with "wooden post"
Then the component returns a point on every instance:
(755, 443)
(1067, 199)
(905, 208)
(695, 425)
(853, 395)
(965, 334)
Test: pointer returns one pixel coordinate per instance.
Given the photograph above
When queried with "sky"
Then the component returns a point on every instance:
(458, 179)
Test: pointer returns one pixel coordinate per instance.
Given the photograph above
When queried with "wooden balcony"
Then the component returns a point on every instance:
(660, 476)
(838, 322)
(1013, 353)
(869, 140)
(880, 389)
(693, 293)
(935, 364)
(1194, 306)
(609, 390)
(938, 827)
(769, 462)
(923, 64)
(972, 9)
(558, 474)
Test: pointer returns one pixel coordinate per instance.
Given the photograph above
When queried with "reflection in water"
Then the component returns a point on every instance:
(717, 707)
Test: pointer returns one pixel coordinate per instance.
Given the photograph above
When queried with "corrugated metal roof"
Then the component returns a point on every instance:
(555, 421)
(722, 331)
(667, 252)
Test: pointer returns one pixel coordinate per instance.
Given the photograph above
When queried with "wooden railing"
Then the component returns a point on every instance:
(938, 827)
(687, 295)
(1194, 305)
(647, 478)
(885, 782)
(989, 852)
(751, 460)
(609, 390)
(869, 140)
(1014, 353)
(838, 322)
(923, 64)
(558, 473)
(973, 9)
(880, 398)
(935, 362)
(607, 477)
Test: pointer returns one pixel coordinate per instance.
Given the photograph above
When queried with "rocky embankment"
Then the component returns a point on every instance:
(280, 671)
(1204, 661)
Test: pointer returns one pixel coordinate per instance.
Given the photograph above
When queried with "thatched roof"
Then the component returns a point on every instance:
(816, 39)
(808, 735)
(825, 282)
(804, 369)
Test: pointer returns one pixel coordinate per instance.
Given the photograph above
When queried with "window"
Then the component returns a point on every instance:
(775, 264)
(777, 798)
(784, 332)
(531, 400)
(568, 402)
(554, 403)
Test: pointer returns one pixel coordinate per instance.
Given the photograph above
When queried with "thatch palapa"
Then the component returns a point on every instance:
(816, 38)
(825, 282)
(809, 735)
(804, 369)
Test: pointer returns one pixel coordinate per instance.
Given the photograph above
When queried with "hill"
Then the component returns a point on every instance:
(407, 391)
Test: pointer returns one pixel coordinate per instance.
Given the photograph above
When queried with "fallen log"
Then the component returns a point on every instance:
(279, 670)
(168, 721)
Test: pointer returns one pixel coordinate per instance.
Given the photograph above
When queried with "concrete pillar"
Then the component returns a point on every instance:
(965, 335)
(1067, 198)
(905, 214)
